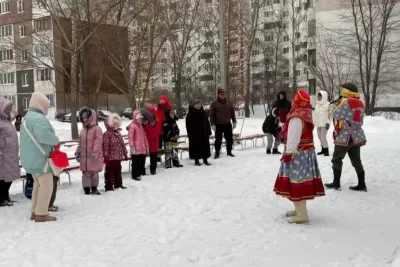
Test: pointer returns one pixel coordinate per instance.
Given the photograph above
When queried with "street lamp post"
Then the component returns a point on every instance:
(222, 43)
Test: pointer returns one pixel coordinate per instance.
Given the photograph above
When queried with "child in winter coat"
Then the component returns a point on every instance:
(114, 151)
(90, 151)
(17, 123)
(153, 138)
(138, 146)
(270, 128)
(171, 135)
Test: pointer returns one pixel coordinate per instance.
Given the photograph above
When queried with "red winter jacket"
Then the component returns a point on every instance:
(153, 133)
(160, 118)
(113, 144)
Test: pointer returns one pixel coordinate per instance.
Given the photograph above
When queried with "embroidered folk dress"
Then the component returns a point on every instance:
(299, 179)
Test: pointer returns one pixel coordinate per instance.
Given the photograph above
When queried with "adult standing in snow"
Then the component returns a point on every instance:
(33, 161)
(282, 105)
(163, 105)
(322, 120)
(348, 117)
(9, 148)
(199, 132)
(299, 178)
(221, 115)
(90, 151)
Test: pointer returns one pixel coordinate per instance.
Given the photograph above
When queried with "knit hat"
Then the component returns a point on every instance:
(220, 90)
(40, 102)
(301, 99)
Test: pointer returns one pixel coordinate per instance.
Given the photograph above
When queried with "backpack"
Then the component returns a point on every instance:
(28, 186)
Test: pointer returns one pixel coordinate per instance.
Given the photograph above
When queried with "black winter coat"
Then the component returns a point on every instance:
(284, 104)
(171, 129)
(270, 125)
(199, 132)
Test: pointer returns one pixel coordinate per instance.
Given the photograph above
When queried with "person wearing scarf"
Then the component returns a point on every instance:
(299, 178)
(348, 118)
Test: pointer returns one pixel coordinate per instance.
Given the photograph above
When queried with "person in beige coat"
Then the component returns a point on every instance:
(322, 120)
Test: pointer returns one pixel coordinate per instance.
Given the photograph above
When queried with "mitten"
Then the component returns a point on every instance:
(213, 128)
(106, 160)
(234, 125)
(288, 157)
(133, 150)
(327, 126)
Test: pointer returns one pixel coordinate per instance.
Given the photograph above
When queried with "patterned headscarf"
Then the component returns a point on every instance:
(301, 107)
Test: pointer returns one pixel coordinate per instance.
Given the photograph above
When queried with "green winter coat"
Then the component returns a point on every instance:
(39, 126)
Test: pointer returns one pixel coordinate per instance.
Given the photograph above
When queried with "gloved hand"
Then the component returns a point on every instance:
(106, 160)
(213, 128)
(327, 126)
(234, 125)
(287, 157)
(133, 150)
(92, 158)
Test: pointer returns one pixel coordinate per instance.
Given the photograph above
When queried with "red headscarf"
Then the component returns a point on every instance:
(160, 118)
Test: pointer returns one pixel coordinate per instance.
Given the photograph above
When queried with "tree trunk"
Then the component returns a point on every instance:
(247, 96)
(74, 70)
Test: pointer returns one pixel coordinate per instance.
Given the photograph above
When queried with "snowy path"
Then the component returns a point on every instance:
(225, 215)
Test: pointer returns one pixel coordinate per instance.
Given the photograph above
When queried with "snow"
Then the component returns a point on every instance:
(225, 215)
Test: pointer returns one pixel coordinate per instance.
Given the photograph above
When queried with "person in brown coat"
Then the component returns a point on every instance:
(221, 115)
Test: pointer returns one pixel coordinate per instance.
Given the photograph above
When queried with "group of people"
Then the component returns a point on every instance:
(152, 131)
(299, 177)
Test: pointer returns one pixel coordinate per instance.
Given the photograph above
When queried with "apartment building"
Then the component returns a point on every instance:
(33, 58)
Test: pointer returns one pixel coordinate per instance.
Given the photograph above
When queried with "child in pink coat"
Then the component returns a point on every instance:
(90, 151)
(138, 146)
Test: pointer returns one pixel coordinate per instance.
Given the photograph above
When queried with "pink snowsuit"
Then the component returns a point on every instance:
(137, 136)
(90, 151)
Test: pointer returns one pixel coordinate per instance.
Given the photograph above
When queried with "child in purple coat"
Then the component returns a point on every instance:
(90, 151)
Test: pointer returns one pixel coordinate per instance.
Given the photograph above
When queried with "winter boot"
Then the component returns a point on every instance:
(95, 191)
(291, 213)
(322, 151)
(5, 203)
(326, 152)
(301, 213)
(268, 151)
(45, 218)
(153, 172)
(275, 151)
(230, 154)
(197, 162)
(336, 181)
(86, 190)
(32, 216)
(177, 165)
(137, 178)
(361, 183)
(217, 155)
(206, 162)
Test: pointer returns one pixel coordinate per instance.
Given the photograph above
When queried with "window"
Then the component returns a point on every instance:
(42, 24)
(24, 79)
(255, 64)
(20, 6)
(43, 75)
(25, 103)
(298, 35)
(285, 25)
(6, 55)
(51, 98)
(6, 30)
(208, 67)
(285, 13)
(286, 50)
(189, 70)
(298, 72)
(7, 78)
(269, 38)
(5, 7)
(22, 30)
(276, 1)
(164, 81)
(42, 50)
(286, 74)
(164, 71)
(312, 30)
(24, 54)
(255, 52)
(286, 38)
(164, 60)
(305, 70)
(12, 98)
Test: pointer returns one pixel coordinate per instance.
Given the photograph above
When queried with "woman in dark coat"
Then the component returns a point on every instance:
(199, 132)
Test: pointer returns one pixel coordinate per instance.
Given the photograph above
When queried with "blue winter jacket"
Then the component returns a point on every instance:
(39, 126)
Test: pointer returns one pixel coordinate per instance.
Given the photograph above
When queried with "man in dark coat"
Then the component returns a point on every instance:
(199, 131)
(222, 114)
(271, 129)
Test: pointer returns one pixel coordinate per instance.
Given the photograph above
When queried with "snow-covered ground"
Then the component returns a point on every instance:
(225, 215)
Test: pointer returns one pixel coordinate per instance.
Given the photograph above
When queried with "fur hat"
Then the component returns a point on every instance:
(349, 86)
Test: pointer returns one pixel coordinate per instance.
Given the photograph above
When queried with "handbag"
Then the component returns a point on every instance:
(56, 170)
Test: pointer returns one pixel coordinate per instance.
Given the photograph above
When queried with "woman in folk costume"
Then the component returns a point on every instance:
(299, 178)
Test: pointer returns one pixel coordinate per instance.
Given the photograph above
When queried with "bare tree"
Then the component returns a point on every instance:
(371, 40)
